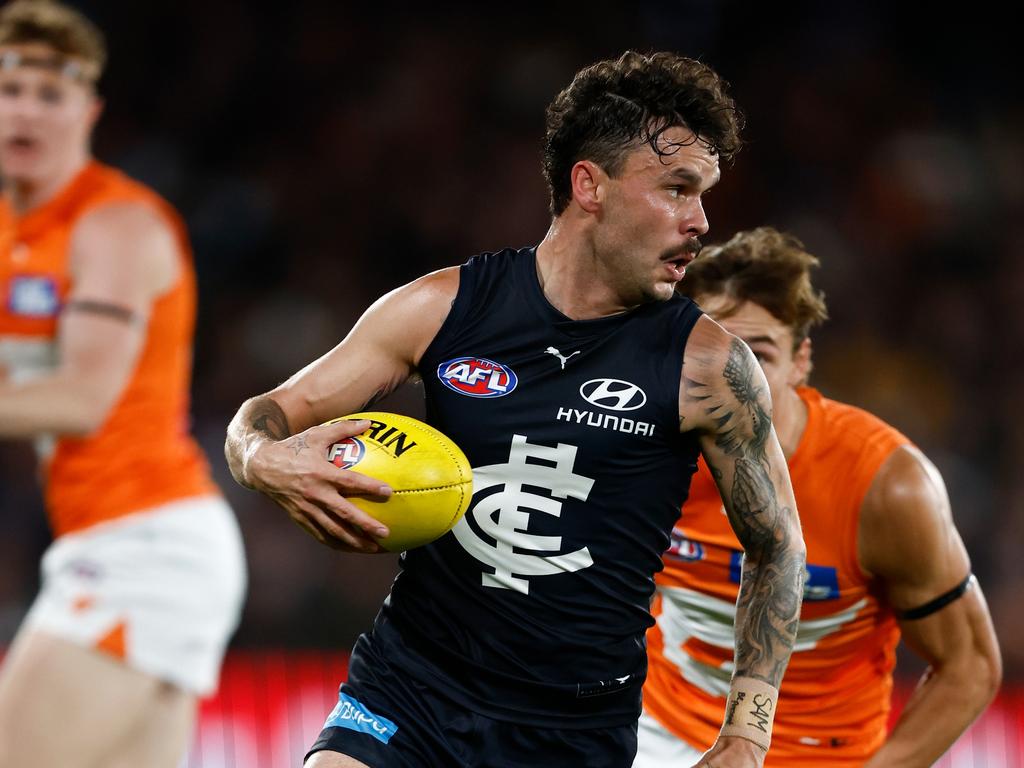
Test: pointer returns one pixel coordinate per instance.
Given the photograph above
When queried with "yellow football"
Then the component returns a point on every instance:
(430, 477)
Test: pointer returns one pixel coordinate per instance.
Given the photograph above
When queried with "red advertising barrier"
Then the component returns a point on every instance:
(269, 710)
(272, 705)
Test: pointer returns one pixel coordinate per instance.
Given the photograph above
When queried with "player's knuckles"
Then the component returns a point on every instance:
(331, 505)
(305, 513)
(315, 489)
(299, 515)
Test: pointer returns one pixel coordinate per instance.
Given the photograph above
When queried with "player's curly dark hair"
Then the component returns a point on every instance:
(612, 107)
(765, 266)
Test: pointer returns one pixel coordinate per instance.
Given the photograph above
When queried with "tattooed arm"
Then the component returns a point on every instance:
(275, 446)
(725, 397)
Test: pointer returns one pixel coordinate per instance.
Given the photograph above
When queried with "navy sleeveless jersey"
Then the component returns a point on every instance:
(534, 608)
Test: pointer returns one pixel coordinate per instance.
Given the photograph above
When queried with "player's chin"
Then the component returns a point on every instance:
(21, 170)
(662, 290)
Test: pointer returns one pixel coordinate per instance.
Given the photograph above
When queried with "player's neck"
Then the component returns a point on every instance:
(790, 421)
(570, 276)
(26, 195)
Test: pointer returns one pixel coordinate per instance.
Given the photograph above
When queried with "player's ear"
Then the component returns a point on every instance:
(588, 185)
(96, 106)
(801, 364)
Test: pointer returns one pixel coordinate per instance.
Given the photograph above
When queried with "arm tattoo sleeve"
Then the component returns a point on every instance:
(768, 608)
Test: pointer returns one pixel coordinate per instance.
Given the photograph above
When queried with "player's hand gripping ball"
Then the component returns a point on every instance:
(430, 477)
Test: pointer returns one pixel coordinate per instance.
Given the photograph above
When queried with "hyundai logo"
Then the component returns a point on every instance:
(613, 394)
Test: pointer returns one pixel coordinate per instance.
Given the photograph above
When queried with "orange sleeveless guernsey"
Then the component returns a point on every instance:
(142, 456)
(834, 701)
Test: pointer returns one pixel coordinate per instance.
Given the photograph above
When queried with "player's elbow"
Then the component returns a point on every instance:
(84, 412)
(796, 532)
(83, 419)
(783, 548)
(233, 457)
(986, 660)
(982, 683)
(978, 674)
(990, 673)
(794, 537)
(83, 396)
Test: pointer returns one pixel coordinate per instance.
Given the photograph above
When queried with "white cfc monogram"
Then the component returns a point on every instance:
(504, 516)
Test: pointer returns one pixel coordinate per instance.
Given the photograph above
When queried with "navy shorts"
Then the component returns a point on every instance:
(388, 720)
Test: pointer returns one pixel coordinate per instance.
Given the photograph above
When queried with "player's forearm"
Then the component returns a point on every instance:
(258, 420)
(57, 404)
(750, 469)
(763, 515)
(768, 606)
(767, 615)
(945, 703)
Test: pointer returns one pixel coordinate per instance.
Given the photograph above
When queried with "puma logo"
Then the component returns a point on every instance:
(563, 359)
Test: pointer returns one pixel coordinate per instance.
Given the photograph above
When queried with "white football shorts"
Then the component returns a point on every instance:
(161, 589)
(658, 747)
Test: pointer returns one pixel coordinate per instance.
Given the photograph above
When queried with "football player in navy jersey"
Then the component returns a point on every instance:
(582, 389)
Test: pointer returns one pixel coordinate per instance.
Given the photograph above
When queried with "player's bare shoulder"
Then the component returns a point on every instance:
(417, 310)
(434, 292)
(907, 502)
(120, 239)
(721, 382)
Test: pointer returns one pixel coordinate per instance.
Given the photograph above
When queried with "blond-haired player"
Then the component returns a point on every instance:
(883, 557)
(143, 583)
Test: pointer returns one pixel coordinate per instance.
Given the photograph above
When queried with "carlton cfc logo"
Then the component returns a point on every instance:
(347, 453)
(477, 377)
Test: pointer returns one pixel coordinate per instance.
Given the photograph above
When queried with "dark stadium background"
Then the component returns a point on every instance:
(326, 152)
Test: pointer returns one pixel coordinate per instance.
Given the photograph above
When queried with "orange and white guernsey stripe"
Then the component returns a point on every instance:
(142, 456)
(834, 700)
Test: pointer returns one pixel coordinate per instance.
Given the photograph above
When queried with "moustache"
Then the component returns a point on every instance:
(691, 248)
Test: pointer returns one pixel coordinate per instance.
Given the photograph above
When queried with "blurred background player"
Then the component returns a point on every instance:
(143, 584)
(884, 558)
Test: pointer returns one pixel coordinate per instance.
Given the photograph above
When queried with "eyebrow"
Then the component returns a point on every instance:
(686, 175)
(762, 340)
(692, 178)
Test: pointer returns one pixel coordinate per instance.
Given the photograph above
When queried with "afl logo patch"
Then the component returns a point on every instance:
(684, 548)
(613, 394)
(33, 296)
(477, 377)
(347, 453)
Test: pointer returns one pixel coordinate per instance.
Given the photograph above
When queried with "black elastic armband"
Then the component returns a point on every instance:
(104, 309)
(938, 603)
